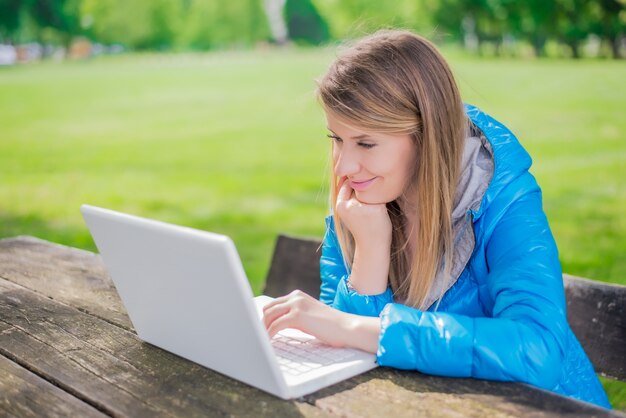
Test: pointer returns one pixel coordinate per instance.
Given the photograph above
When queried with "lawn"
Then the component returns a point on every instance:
(234, 142)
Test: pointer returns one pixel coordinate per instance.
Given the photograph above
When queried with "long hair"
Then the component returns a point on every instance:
(397, 82)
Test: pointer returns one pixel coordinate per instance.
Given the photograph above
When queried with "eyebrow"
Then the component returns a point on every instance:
(362, 136)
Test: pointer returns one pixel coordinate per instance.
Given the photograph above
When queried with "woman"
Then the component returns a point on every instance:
(438, 256)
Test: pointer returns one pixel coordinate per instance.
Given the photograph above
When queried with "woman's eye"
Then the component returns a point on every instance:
(366, 145)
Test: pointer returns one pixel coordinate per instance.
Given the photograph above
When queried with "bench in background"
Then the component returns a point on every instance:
(596, 311)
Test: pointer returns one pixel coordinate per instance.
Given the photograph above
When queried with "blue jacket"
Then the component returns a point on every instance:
(502, 313)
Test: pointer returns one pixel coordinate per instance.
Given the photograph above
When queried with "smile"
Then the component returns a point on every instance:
(361, 185)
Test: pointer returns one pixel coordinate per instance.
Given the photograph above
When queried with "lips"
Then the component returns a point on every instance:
(361, 185)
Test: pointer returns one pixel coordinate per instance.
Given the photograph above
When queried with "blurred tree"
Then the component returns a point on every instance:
(573, 23)
(62, 16)
(165, 19)
(140, 24)
(211, 24)
(472, 21)
(10, 11)
(204, 24)
(534, 21)
(611, 24)
(449, 15)
(304, 23)
(490, 18)
(568, 21)
(354, 18)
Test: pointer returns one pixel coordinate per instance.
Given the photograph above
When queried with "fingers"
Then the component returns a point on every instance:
(282, 299)
(307, 314)
(281, 323)
(271, 313)
(345, 191)
(279, 313)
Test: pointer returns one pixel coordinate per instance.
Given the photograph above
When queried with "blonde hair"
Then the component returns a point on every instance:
(397, 82)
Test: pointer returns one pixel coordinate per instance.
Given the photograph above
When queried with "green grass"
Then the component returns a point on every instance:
(616, 392)
(234, 142)
(229, 142)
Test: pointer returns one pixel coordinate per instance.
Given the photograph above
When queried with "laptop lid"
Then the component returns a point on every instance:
(185, 291)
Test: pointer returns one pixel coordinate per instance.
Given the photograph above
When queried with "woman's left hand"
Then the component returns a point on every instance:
(301, 311)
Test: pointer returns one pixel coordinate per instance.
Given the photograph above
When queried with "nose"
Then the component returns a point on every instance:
(346, 163)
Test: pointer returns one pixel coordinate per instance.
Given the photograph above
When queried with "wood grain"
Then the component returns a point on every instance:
(596, 312)
(391, 392)
(24, 394)
(69, 275)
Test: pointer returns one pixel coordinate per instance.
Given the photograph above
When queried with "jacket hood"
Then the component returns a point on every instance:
(510, 159)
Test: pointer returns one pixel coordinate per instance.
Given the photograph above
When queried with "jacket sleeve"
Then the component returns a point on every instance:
(336, 290)
(522, 339)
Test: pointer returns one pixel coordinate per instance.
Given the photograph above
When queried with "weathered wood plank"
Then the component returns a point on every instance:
(597, 314)
(295, 265)
(72, 276)
(390, 392)
(24, 394)
(110, 368)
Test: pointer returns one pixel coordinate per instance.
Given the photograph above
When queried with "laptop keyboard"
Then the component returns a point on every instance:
(301, 355)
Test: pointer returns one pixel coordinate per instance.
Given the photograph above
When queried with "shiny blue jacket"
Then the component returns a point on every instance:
(502, 313)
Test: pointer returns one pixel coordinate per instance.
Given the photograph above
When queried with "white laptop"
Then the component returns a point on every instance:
(185, 291)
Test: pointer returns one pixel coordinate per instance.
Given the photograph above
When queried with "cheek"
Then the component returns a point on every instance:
(393, 168)
(400, 172)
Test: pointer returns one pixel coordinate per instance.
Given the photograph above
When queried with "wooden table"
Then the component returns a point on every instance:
(68, 349)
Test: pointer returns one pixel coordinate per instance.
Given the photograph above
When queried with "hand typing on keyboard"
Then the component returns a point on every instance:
(338, 329)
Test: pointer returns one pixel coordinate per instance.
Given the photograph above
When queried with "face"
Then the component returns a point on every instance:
(378, 166)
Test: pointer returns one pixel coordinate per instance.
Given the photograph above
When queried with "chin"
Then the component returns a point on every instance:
(372, 200)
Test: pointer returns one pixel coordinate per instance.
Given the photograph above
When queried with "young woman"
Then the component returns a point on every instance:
(438, 256)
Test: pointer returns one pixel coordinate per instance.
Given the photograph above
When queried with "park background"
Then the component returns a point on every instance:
(202, 113)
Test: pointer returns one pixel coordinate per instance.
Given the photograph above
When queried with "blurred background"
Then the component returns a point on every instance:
(79, 28)
(201, 112)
